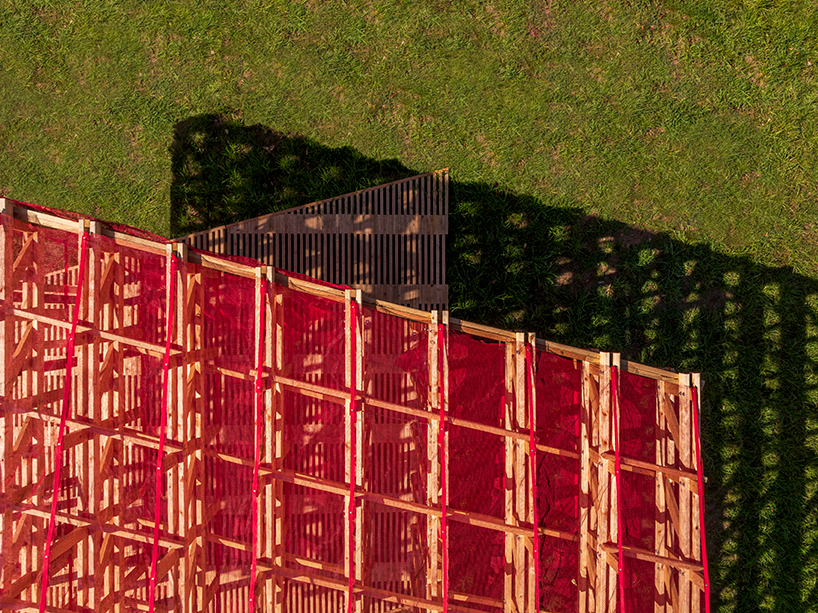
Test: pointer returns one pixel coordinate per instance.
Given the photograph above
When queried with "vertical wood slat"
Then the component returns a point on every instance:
(194, 568)
(443, 349)
(173, 473)
(7, 471)
(117, 410)
(587, 561)
(603, 498)
(685, 498)
(354, 549)
(519, 468)
(433, 474)
(661, 572)
(362, 523)
(533, 511)
(274, 447)
(91, 448)
(260, 338)
(616, 500)
(700, 545)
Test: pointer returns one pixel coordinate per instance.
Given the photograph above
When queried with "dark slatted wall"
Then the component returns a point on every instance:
(388, 241)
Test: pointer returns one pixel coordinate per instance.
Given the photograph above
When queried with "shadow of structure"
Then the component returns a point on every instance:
(225, 171)
(546, 266)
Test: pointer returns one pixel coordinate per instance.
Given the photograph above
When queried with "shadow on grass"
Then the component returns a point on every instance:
(225, 171)
(544, 265)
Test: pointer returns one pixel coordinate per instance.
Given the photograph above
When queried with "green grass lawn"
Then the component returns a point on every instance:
(633, 176)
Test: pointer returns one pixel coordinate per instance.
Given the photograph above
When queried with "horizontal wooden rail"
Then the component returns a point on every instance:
(377, 407)
(221, 264)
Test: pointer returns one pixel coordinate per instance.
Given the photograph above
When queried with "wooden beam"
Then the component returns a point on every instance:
(685, 523)
(520, 480)
(530, 414)
(243, 270)
(354, 425)
(661, 572)
(443, 352)
(7, 434)
(585, 582)
(616, 482)
(605, 587)
(433, 475)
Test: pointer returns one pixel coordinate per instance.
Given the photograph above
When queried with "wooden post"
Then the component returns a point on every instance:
(354, 561)
(6, 351)
(362, 524)
(685, 520)
(443, 348)
(699, 544)
(275, 427)
(519, 470)
(272, 500)
(193, 578)
(605, 580)
(660, 579)
(531, 419)
(256, 593)
(433, 476)
(587, 563)
(178, 579)
(616, 516)
(87, 401)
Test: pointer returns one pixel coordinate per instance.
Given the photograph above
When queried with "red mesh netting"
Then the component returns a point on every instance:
(558, 386)
(476, 464)
(228, 420)
(107, 497)
(113, 385)
(396, 367)
(314, 434)
(637, 409)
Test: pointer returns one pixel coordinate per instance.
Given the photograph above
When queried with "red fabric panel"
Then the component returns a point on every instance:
(558, 389)
(637, 493)
(229, 337)
(476, 463)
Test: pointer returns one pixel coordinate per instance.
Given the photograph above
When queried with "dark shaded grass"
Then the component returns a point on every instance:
(545, 265)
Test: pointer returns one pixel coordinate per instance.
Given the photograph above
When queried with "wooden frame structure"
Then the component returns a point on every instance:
(388, 241)
(76, 347)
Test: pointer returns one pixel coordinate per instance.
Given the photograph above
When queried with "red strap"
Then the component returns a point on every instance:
(257, 454)
(697, 435)
(620, 535)
(66, 406)
(160, 456)
(441, 440)
(532, 452)
(352, 452)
